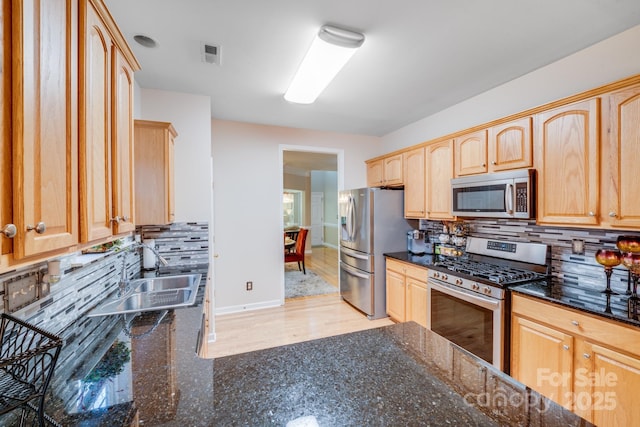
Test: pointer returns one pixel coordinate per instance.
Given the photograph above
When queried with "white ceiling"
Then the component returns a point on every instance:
(419, 56)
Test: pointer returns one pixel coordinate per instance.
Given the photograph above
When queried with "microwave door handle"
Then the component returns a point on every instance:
(508, 199)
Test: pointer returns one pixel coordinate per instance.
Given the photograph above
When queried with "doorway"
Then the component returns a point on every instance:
(315, 174)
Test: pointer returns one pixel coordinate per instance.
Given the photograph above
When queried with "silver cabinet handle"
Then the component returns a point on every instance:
(125, 218)
(494, 162)
(612, 214)
(39, 227)
(115, 219)
(586, 355)
(575, 323)
(592, 213)
(9, 231)
(566, 347)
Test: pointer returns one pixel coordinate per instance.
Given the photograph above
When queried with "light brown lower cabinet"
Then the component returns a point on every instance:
(587, 364)
(406, 292)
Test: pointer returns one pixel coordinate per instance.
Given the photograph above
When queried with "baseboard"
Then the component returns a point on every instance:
(247, 307)
(329, 245)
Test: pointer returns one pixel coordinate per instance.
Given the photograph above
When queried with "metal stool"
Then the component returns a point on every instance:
(28, 356)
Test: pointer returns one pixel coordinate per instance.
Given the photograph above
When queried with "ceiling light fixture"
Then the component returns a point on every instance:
(145, 41)
(329, 52)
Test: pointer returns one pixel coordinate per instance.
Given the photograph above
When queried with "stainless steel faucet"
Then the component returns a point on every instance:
(123, 285)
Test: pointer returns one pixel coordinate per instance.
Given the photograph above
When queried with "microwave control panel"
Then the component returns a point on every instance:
(521, 197)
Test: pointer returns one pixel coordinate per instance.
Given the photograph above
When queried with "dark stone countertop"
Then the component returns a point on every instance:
(426, 260)
(396, 375)
(570, 294)
(565, 292)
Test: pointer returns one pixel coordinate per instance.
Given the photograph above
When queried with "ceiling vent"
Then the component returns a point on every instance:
(210, 53)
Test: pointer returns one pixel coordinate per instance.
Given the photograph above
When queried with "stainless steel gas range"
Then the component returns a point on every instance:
(467, 298)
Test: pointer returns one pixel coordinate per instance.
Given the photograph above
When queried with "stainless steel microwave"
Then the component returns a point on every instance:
(509, 194)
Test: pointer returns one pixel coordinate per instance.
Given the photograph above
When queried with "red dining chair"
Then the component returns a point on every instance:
(298, 254)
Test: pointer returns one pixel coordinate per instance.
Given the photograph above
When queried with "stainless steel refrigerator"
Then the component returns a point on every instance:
(371, 223)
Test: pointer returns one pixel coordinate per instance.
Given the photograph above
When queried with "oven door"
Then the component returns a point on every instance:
(470, 320)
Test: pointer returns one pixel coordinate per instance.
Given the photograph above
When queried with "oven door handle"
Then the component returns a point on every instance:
(469, 296)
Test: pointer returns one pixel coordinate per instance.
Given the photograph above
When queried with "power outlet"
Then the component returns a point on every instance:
(249, 286)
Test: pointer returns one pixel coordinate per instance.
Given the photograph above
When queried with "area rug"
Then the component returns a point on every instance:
(297, 284)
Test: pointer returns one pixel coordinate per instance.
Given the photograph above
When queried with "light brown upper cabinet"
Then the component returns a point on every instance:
(501, 147)
(385, 172)
(439, 171)
(471, 153)
(621, 158)
(6, 200)
(154, 144)
(44, 125)
(567, 159)
(415, 197)
(106, 128)
(511, 145)
(122, 157)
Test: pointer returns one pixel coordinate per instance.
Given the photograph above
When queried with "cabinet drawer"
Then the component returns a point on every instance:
(396, 266)
(409, 270)
(611, 333)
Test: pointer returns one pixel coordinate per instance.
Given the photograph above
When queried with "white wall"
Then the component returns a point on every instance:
(191, 117)
(610, 60)
(247, 175)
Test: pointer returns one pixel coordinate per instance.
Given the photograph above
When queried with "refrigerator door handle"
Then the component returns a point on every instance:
(352, 218)
(353, 272)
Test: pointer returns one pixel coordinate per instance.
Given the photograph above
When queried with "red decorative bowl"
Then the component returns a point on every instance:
(628, 243)
(632, 262)
(608, 258)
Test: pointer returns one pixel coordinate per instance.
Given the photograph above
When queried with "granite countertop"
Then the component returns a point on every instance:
(149, 374)
(569, 294)
(561, 291)
(401, 374)
(426, 260)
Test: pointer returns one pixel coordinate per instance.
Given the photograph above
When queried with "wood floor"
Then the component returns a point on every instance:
(300, 319)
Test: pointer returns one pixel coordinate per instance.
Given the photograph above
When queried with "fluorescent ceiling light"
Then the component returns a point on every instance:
(329, 52)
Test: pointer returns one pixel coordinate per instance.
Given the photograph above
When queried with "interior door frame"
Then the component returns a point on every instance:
(339, 152)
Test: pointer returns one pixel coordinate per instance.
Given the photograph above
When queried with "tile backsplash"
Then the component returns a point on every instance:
(580, 269)
(88, 279)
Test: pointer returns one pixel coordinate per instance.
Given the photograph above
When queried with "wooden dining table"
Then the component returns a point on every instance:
(288, 243)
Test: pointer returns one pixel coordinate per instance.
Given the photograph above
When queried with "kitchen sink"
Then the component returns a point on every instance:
(165, 283)
(151, 294)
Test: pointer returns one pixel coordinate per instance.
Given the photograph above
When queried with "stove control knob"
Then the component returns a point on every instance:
(458, 281)
(487, 290)
(445, 277)
(436, 275)
(475, 286)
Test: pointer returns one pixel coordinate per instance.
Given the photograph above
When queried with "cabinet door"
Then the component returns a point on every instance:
(414, 184)
(621, 158)
(416, 301)
(567, 159)
(392, 170)
(395, 295)
(439, 173)
(6, 213)
(542, 358)
(471, 153)
(45, 114)
(154, 172)
(607, 387)
(510, 145)
(95, 126)
(122, 144)
(375, 173)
